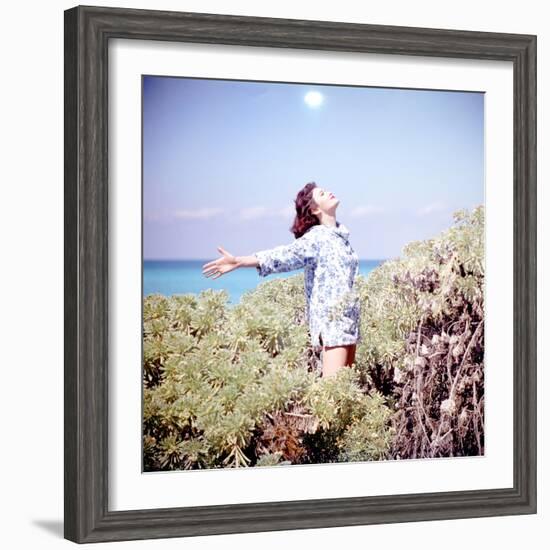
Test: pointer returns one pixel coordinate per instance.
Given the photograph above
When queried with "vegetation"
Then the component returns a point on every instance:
(239, 386)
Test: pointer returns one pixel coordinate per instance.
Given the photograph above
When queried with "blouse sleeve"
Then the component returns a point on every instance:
(287, 257)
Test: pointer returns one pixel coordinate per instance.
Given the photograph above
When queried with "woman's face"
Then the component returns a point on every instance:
(325, 200)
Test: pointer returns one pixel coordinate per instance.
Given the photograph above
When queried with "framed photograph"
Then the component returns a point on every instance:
(300, 274)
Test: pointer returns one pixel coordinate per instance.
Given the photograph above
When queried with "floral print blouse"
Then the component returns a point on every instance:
(330, 268)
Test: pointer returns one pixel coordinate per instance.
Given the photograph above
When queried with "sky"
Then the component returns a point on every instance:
(223, 161)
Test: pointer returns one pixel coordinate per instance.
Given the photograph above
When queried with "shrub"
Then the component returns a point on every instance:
(423, 326)
(239, 386)
(243, 392)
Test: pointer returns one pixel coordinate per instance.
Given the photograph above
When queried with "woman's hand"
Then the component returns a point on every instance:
(217, 268)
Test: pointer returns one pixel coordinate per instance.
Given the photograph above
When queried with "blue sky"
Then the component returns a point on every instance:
(224, 159)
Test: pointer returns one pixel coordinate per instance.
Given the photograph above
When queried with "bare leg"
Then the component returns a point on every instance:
(336, 357)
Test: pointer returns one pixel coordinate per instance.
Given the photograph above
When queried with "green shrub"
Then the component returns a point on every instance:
(235, 385)
(239, 386)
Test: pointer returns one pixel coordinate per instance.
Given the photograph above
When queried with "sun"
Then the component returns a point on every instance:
(313, 99)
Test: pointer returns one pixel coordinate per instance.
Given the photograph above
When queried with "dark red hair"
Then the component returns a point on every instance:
(304, 203)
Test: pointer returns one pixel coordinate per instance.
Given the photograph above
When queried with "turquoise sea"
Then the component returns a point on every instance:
(169, 277)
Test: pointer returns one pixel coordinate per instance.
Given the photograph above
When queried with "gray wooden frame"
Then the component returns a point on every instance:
(87, 33)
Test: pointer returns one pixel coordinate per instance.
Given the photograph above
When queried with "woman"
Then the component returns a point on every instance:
(330, 267)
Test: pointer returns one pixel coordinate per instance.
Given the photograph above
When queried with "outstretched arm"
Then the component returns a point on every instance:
(274, 260)
(285, 257)
(225, 264)
(247, 261)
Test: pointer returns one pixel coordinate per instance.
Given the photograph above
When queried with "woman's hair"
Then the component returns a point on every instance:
(304, 219)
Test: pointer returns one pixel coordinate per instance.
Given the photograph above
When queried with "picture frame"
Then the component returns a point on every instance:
(87, 31)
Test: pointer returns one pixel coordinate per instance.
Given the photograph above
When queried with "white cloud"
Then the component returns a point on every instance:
(366, 210)
(431, 208)
(198, 213)
(246, 214)
(255, 212)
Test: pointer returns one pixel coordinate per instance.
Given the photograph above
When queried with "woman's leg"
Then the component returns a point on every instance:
(336, 357)
(333, 358)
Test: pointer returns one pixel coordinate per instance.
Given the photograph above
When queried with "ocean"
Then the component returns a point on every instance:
(169, 277)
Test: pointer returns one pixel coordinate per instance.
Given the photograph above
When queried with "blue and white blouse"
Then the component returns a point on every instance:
(330, 268)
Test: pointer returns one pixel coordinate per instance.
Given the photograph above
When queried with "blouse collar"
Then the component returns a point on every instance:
(340, 229)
